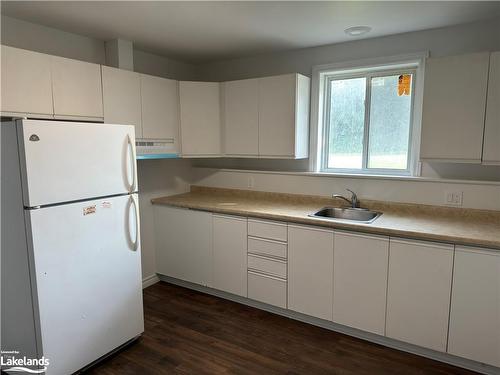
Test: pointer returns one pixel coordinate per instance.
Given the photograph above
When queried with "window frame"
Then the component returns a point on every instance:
(329, 78)
(378, 67)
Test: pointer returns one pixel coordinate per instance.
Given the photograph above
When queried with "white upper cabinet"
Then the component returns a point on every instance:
(418, 293)
(26, 82)
(475, 306)
(241, 117)
(310, 271)
(122, 98)
(454, 108)
(200, 119)
(229, 257)
(360, 281)
(77, 88)
(160, 109)
(491, 148)
(284, 116)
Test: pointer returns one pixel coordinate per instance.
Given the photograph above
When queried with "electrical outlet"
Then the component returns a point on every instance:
(251, 182)
(453, 198)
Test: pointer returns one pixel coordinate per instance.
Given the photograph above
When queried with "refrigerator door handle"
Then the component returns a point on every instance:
(132, 158)
(134, 243)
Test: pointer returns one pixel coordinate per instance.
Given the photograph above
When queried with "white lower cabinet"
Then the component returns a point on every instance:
(310, 271)
(475, 306)
(229, 257)
(267, 289)
(418, 293)
(423, 293)
(360, 281)
(183, 244)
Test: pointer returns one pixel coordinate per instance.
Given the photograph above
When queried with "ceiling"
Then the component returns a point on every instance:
(209, 30)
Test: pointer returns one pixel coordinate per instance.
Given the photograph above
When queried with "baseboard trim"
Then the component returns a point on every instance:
(150, 280)
(377, 339)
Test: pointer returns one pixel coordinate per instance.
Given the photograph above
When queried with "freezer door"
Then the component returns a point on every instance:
(88, 279)
(69, 161)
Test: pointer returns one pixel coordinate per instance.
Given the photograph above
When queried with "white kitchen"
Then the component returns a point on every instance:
(250, 187)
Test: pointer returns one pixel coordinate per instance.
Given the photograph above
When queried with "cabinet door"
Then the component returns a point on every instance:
(160, 108)
(310, 271)
(454, 108)
(277, 116)
(26, 82)
(360, 281)
(183, 244)
(77, 88)
(418, 293)
(229, 259)
(122, 98)
(200, 118)
(241, 117)
(491, 149)
(475, 306)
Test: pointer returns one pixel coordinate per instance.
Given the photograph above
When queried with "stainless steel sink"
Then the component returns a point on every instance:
(359, 215)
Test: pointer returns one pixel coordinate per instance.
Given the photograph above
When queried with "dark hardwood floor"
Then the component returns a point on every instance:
(188, 332)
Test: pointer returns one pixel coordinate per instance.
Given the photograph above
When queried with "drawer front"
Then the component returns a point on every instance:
(267, 247)
(267, 289)
(267, 265)
(267, 229)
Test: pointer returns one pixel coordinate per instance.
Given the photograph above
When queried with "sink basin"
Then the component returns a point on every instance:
(359, 215)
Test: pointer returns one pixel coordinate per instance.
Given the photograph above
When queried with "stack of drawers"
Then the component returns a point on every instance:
(267, 262)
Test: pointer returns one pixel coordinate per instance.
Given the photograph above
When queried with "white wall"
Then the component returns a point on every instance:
(480, 195)
(27, 35)
(30, 36)
(478, 36)
(161, 66)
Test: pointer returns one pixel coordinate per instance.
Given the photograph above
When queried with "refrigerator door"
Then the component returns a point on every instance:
(69, 161)
(87, 271)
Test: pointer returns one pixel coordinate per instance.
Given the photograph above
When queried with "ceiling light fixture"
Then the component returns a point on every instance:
(357, 30)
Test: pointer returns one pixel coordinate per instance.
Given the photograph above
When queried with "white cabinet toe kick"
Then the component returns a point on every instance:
(440, 301)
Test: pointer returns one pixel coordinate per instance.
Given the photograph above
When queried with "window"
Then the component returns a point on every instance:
(366, 119)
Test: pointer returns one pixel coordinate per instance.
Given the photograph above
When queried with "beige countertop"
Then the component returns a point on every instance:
(444, 224)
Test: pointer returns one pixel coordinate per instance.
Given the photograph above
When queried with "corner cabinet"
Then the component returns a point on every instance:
(26, 83)
(491, 146)
(267, 117)
(418, 292)
(200, 119)
(460, 109)
(475, 306)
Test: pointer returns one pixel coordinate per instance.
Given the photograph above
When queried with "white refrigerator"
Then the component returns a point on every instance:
(70, 256)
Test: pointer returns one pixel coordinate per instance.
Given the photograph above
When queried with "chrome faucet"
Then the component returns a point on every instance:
(353, 201)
